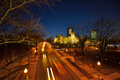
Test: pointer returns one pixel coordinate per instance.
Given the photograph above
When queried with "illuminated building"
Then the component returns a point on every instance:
(72, 39)
(69, 39)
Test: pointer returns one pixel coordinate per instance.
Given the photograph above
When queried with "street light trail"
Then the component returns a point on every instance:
(48, 73)
(61, 67)
(52, 73)
(58, 68)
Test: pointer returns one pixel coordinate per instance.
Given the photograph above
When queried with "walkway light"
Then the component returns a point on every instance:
(98, 63)
(26, 75)
(25, 70)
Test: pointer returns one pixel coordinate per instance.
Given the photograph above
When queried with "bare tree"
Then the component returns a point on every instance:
(22, 32)
(12, 19)
(10, 5)
(105, 29)
(82, 32)
(115, 38)
(50, 39)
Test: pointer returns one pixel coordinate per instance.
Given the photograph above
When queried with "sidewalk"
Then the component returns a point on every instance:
(31, 69)
(13, 69)
(16, 69)
(91, 71)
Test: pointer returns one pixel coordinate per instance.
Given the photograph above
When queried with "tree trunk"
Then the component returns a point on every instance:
(83, 61)
(102, 58)
(82, 51)
(102, 52)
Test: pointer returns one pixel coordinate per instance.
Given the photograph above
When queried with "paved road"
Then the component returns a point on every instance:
(44, 65)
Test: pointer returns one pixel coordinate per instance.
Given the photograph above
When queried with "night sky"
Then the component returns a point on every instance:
(74, 11)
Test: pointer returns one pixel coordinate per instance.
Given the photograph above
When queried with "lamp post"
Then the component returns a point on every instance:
(35, 54)
(25, 72)
(98, 64)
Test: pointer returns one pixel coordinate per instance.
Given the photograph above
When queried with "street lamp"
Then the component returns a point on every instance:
(98, 64)
(35, 50)
(25, 72)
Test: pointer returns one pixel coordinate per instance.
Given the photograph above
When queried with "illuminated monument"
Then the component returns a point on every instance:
(69, 39)
(72, 39)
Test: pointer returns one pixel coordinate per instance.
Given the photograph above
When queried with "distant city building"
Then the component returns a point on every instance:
(93, 34)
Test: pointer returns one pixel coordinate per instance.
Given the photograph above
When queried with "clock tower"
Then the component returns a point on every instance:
(69, 30)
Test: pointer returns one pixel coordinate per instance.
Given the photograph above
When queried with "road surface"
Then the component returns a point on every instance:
(51, 67)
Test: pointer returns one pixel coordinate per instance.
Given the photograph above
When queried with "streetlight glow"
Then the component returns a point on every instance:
(42, 49)
(25, 70)
(98, 63)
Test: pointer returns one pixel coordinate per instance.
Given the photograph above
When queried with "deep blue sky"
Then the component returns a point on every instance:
(75, 11)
